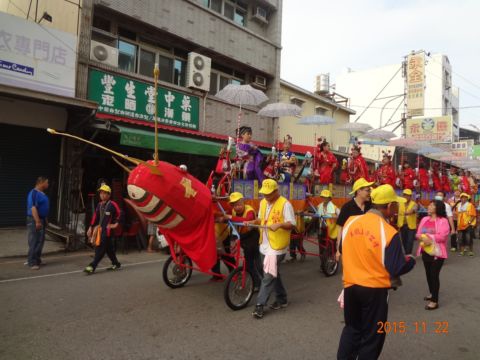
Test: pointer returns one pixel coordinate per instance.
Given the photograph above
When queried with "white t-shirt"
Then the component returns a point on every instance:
(448, 210)
(289, 216)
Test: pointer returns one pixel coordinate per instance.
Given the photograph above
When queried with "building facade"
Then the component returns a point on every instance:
(313, 104)
(117, 44)
(37, 91)
(387, 84)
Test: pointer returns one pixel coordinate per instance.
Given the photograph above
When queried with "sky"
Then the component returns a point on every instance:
(324, 36)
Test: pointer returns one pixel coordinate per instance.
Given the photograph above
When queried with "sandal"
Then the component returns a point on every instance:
(427, 307)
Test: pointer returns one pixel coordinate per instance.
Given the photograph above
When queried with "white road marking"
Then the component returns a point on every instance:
(76, 272)
(46, 258)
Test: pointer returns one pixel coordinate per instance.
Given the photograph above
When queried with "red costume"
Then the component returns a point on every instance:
(437, 183)
(408, 176)
(327, 165)
(386, 173)
(445, 183)
(357, 168)
(423, 179)
(465, 184)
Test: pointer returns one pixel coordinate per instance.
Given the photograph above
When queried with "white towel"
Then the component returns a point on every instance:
(270, 265)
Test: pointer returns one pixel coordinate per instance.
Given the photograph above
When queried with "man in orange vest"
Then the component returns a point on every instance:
(372, 256)
(276, 219)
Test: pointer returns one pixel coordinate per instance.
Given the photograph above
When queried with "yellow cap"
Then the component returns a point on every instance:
(407, 192)
(385, 194)
(268, 186)
(234, 197)
(326, 193)
(105, 188)
(465, 194)
(360, 183)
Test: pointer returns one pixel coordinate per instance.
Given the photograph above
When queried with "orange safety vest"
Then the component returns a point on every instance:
(466, 218)
(365, 238)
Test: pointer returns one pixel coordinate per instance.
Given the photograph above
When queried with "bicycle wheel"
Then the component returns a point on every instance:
(177, 274)
(238, 289)
(329, 264)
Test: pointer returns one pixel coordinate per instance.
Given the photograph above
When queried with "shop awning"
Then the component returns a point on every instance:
(167, 142)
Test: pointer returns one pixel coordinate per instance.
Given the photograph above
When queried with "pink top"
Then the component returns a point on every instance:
(438, 230)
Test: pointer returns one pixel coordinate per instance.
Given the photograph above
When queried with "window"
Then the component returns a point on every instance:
(101, 23)
(127, 33)
(146, 62)
(219, 80)
(179, 72)
(297, 101)
(213, 83)
(216, 5)
(127, 54)
(235, 10)
(320, 111)
(165, 65)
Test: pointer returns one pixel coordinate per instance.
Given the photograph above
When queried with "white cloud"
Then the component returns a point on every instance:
(327, 36)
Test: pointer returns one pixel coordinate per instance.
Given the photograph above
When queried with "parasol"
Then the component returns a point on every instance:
(280, 109)
(379, 134)
(316, 120)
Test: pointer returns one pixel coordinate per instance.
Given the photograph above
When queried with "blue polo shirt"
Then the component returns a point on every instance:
(40, 201)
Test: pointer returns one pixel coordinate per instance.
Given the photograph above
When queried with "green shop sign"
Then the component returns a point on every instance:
(124, 97)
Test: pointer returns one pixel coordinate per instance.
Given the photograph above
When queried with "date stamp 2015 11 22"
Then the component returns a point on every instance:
(415, 327)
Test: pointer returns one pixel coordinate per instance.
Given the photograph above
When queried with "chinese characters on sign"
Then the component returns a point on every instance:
(415, 84)
(35, 59)
(123, 97)
(432, 129)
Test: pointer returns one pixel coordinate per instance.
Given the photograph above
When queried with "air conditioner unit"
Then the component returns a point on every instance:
(343, 149)
(198, 71)
(260, 14)
(103, 53)
(260, 81)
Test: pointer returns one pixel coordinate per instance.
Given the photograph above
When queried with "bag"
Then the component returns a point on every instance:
(96, 236)
(433, 249)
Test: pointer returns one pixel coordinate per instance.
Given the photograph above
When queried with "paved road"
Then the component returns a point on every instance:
(59, 313)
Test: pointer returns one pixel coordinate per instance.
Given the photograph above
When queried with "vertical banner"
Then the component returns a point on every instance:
(415, 84)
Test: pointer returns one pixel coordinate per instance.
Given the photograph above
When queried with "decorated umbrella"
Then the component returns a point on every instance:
(280, 109)
(403, 142)
(358, 128)
(241, 95)
(379, 134)
(316, 120)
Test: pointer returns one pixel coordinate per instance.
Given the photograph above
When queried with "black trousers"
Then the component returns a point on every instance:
(364, 309)
(227, 259)
(465, 238)
(253, 263)
(432, 270)
(453, 237)
(107, 245)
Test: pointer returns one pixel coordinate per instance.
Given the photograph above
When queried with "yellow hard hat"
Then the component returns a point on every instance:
(385, 194)
(326, 194)
(268, 186)
(407, 192)
(105, 188)
(465, 194)
(360, 183)
(234, 197)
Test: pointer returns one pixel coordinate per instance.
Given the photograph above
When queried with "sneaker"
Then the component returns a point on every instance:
(276, 305)
(453, 249)
(258, 312)
(34, 267)
(471, 253)
(89, 270)
(114, 267)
